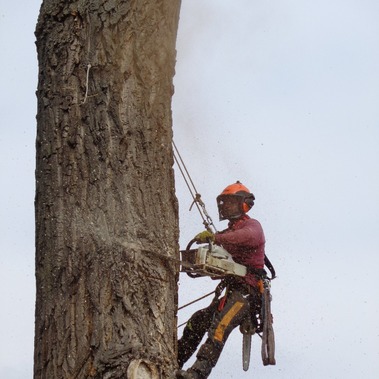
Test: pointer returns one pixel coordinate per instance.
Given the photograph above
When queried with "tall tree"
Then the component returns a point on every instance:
(106, 211)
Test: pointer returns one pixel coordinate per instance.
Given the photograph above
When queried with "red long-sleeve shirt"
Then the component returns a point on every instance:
(245, 241)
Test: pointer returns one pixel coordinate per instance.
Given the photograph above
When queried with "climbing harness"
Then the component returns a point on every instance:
(270, 267)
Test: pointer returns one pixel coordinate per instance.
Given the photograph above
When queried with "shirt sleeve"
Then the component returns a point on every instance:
(250, 234)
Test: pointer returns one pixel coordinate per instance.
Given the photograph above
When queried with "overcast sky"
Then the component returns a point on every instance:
(281, 95)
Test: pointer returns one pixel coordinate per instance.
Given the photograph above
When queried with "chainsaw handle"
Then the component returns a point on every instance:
(193, 240)
(189, 245)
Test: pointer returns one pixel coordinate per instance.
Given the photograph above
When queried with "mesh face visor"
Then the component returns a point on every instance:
(230, 206)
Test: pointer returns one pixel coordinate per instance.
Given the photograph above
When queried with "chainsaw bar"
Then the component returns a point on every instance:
(246, 351)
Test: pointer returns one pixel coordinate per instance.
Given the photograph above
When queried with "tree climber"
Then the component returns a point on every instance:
(244, 240)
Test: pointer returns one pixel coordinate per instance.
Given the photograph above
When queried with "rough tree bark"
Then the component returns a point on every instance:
(106, 211)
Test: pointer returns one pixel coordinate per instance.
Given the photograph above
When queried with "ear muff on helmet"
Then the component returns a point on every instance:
(248, 203)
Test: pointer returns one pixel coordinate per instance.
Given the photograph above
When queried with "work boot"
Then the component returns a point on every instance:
(202, 368)
(181, 374)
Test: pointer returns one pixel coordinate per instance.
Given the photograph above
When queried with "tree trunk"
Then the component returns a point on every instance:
(106, 211)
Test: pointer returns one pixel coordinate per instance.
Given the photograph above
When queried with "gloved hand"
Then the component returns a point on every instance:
(204, 237)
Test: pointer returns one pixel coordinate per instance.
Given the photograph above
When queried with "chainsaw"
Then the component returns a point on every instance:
(209, 260)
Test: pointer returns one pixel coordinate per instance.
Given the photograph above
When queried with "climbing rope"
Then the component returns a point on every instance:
(196, 300)
(197, 201)
(207, 220)
(193, 302)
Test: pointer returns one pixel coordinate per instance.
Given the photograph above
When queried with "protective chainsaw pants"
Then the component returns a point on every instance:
(219, 319)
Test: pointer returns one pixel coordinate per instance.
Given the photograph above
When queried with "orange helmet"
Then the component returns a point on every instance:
(234, 201)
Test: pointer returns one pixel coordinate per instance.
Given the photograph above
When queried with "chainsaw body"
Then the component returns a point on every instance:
(210, 260)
